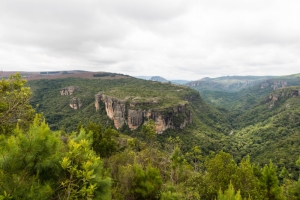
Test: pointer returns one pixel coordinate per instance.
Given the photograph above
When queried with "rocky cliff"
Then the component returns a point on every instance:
(273, 84)
(130, 113)
(75, 103)
(68, 90)
(271, 100)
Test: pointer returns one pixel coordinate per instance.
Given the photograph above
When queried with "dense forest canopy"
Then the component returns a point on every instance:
(56, 152)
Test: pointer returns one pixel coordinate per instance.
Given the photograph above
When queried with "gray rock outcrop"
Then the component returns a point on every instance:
(129, 113)
(68, 90)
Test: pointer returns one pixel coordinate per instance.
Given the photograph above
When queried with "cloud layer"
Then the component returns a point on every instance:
(176, 39)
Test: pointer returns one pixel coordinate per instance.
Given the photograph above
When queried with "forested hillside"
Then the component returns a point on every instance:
(270, 130)
(227, 83)
(265, 121)
(207, 125)
(245, 97)
(62, 148)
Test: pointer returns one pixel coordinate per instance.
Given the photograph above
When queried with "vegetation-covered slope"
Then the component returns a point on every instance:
(213, 130)
(64, 165)
(244, 98)
(207, 126)
(271, 130)
(265, 121)
(227, 83)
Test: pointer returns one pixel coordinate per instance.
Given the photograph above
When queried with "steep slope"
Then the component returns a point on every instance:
(271, 130)
(226, 83)
(265, 121)
(246, 98)
(125, 104)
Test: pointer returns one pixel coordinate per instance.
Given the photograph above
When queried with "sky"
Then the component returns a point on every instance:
(175, 39)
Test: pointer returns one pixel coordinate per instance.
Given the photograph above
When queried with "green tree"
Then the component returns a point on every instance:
(171, 193)
(84, 176)
(172, 143)
(245, 180)
(79, 127)
(103, 143)
(292, 188)
(135, 144)
(29, 163)
(195, 157)
(269, 183)
(96, 130)
(146, 183)
(36, 163)
(14, 104)
(220, 170)
(148, 130)
(177, 160)
(107, 146)
(229, 194)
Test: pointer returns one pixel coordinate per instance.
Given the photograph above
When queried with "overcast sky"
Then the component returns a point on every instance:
(176, 39)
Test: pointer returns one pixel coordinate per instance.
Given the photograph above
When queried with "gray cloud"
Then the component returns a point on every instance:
(176, 39)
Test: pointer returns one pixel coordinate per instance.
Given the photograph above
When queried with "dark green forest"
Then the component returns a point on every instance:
(240, 145)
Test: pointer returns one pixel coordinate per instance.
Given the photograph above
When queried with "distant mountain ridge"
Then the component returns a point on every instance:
(227, 83)
(162, 79)
(158, 78)
(246, 97)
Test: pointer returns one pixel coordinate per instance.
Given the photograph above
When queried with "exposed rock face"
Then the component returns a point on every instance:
(135, 118)
(275, 97)
(274, 84)
(218, 85)
(122, 112)
(75, 103)
(115, 108)
(68, 90)
(264, 85)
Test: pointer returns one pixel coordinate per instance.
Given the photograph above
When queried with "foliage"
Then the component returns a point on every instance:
(246, 180)
(30, 160)
(229, 194)
(269, 183)
(83, 172)
(221, 169)
(227, 83)
(146, 183)
(195, 157)
(14, 104)
(37, 160)
(209, 159)
(103, 143)
(177, 160)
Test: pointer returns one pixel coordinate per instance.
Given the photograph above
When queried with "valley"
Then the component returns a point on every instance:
(197, 130)
(248, 115)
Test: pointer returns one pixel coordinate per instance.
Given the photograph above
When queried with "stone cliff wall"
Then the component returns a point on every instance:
(275, 97)
(68, 90)
(115, 108)
(273, 84)
(127, 113)
(75, 103)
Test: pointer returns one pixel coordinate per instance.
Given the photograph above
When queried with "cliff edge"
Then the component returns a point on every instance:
(131, 113)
